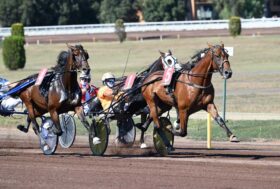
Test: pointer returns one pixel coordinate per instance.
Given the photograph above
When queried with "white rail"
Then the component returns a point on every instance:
(142, 27)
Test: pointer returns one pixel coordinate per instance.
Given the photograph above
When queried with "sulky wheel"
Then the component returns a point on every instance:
(98, 137)
(163, 137)
(48, 140)
(125, 132)
(68, 127)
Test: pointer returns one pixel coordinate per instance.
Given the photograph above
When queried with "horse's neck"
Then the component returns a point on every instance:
(67, 74)
(156, 66)
(201, 74)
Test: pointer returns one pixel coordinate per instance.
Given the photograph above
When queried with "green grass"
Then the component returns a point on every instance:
(250, 130)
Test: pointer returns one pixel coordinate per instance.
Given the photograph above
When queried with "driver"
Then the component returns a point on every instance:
(105, 93)
(7, 103)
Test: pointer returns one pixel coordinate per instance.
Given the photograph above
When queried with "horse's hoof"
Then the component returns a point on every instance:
(233, 138)
(176, 125)
(170, 149)
(143, 146)
(22, 128)
(56, 131)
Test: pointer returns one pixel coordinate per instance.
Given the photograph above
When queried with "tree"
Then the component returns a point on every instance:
(10, 12)
(39, 12)
(120, 30)
(78, 11)
(110, 11)
(13, 48)
(164, 10)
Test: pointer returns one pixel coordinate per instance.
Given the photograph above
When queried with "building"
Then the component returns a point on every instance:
(203, 9)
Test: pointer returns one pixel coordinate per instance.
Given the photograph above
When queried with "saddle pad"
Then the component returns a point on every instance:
(167, 76)
(129, 81)
(41, 76)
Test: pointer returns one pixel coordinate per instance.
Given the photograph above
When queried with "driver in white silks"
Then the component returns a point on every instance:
(8, 103)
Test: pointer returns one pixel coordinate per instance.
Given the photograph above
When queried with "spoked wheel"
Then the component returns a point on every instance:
(68, 127)
(125, 133)
(98, 137)
(48, 140)
(163, 136)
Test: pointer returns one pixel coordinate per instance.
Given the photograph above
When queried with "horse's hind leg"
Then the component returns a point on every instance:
(143, 126)
(211, 108)
(32, 118)
(25, 128)
(55, 118)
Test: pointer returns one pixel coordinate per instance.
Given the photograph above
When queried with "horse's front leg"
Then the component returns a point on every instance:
(55, 118)
(211, 108)
(80, 113)
(183, 117)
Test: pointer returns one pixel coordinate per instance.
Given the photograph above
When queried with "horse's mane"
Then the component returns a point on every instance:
(195, 59)
(61, 61)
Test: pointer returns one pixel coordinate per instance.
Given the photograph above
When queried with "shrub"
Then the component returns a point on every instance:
(235, 26)
(17, 29)
(14, 52)
(120, 30)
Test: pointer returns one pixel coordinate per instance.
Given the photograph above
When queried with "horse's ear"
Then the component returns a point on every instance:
(162, 54)
(169, 52)
(209, 45)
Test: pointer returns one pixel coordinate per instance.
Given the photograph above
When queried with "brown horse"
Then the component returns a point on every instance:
(63, 92)
(193, 90)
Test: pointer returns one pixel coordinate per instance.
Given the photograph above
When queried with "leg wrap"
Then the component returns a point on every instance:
(220, 120)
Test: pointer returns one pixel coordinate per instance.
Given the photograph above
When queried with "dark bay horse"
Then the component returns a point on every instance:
(193, 90)
(63, 84)
(137, 103)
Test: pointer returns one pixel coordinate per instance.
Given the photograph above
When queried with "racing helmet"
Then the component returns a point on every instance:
(108, 79)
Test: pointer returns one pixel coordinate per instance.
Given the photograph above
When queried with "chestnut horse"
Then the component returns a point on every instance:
(63, 84)
(137, 104)
(193, 90)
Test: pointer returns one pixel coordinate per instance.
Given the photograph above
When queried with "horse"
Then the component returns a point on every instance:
(63, 91)
(137, 104)
(193, 90)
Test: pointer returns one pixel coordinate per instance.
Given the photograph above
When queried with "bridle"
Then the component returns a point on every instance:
(218, 60)
(168, 61)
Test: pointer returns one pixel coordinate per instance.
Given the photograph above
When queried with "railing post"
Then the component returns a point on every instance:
(209, 131)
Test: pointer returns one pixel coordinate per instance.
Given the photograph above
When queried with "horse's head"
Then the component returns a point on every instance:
(167, 59)
(220, 60)
(80, 58)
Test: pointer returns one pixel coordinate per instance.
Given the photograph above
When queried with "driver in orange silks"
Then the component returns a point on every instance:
(105, 93)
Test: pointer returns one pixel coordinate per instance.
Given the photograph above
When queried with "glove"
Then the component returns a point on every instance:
(177, 67)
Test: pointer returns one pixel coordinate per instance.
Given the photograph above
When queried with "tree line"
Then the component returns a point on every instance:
(66, 12)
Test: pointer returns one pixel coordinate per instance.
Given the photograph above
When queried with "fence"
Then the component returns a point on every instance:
(143, 27)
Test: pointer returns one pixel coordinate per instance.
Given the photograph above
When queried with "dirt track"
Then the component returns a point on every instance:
(243, 165)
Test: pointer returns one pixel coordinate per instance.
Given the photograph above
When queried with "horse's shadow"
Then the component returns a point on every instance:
(214, 153)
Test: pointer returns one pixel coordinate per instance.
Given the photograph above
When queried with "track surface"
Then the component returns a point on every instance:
(227, 165)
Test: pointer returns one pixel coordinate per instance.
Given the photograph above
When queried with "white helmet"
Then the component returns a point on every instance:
(84, 75)
(108, 75)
